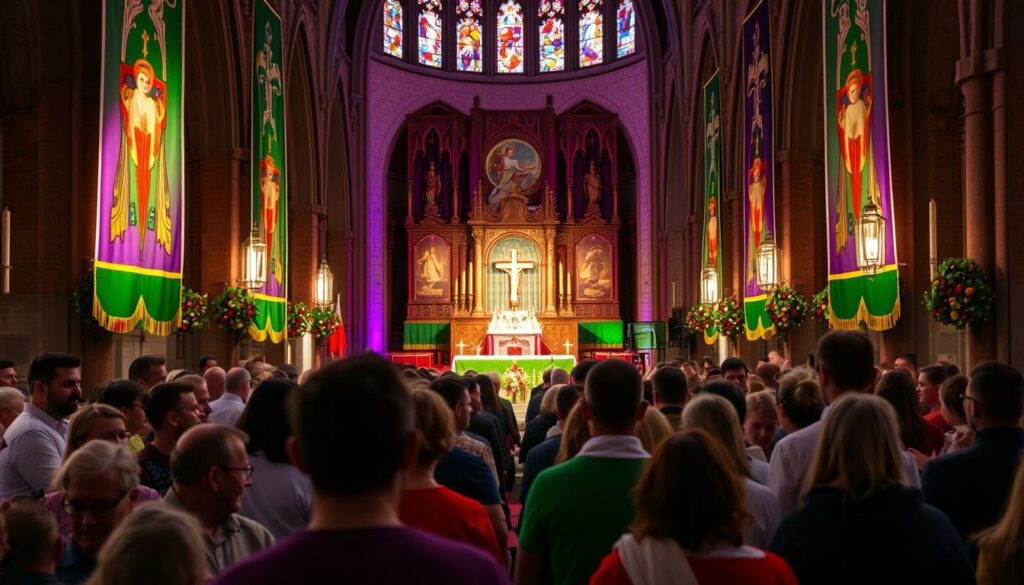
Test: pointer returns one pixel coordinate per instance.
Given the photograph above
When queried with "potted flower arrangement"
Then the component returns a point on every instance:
(324, 322)
(300, 320)
(515, 382)
(194, 311)
(235, 310)
(786, 308)
(728, 318)
(960, 295)
(700, 317)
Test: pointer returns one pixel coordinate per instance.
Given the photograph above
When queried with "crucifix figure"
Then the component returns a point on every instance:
(513, 267)
(462, 346)
(568, 347)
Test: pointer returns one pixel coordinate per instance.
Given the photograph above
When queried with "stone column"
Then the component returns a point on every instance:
(478, 274)
(550, 269)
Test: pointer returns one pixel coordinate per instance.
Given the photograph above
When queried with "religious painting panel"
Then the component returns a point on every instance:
(140, 203)
(513, 275)
(431, 270)
(513, 167)
(595, 270)
(711, 257)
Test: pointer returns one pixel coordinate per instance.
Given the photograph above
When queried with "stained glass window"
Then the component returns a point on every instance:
(510, 37)
(625, 20)
(591, 33)
(393, 28)
(552, 35)
(470, 35)
(430, 32)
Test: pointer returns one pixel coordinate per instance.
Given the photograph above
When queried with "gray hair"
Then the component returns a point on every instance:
(9, 395)
(96, 458)
(237, 378)
(559, 376)
(200, 453)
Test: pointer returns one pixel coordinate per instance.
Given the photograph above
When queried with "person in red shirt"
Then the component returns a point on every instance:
(897, 388)
(430, 506)
(929, 382)
(690, 515)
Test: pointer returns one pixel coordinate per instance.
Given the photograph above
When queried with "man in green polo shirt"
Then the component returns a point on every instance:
(577, 510)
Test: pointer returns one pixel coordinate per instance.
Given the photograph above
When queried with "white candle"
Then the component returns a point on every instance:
(7, 237)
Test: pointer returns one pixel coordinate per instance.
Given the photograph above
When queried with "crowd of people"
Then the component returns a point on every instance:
(836, 471)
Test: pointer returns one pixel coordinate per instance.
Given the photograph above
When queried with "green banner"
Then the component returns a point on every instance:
(600, 335)
(269, 180)
(710, 254)
(420, 335)
(140, 204)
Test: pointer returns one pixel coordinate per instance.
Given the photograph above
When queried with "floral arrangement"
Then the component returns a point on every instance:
(195, 311)
(786, 308)
(515, 382)
(300, 320)
(960, 294)
(700, 317)
(324, 322)
(819, 306)
(728, 318)
(235, 310)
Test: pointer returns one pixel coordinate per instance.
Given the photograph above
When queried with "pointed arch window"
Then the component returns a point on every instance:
(591, 33)
(393, 28)
(470, 35)
(551, 37)
(430, 27)
(510, 37)
(625, 23)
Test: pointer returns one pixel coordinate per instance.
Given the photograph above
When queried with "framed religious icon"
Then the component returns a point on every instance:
(431, 270)
(513, 167)
(594, 269)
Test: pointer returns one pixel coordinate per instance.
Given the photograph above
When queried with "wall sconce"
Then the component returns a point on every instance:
(323, 284)
(870, 240)
(709, 285)
(766, 258)
(254, 261)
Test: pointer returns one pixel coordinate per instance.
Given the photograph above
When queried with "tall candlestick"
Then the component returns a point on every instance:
(673, 294)
(462, 282)
(933, 244)
(5, 257)
(561, 277)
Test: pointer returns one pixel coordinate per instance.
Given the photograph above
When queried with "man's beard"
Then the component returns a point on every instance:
(68, 406)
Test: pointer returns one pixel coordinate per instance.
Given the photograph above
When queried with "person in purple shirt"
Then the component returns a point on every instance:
(356, 411)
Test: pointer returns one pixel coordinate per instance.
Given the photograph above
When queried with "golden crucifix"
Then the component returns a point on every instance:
(513, 267)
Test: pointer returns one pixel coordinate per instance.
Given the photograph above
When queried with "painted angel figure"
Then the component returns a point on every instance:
(511, 174)
(755, 195)
(431, 269)
(853, 117)
(270, 191)
(712, 233)
(144, 119)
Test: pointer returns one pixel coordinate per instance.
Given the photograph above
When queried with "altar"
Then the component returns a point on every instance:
(532, 368)
(513, 333)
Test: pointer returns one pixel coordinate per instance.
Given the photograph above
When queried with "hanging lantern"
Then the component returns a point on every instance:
(254, 261)
(767, 261)
(709, 285)
(323, 284)
(870, 239)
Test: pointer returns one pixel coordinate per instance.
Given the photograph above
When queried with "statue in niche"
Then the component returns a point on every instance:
(431, 272)
(592, 186)
(431, 187)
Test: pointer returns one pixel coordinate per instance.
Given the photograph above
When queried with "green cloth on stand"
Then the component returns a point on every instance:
(421, 335)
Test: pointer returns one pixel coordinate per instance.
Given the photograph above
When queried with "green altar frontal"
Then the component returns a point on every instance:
(532, 365)
(427, 335)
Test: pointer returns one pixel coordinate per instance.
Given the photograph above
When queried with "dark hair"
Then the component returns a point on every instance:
(935, 375)
(713, 371)
(141, 365)
(689, 491)
(849, 359)
(579, 373)
(212, 447)
(908, 357)
(730, 392)
(488, 397)
(265, 419)
(708, 361)
(952, 394)
(769, 373)
(4, 364)
(289, 371)
(122, 393)
(898, 389)
(999, 390)
(451, 388)
(670, 384)
(613, 395)
(951, 368)
(356, 411)
(545, 377)
(800, 397)
(648, 392)
(44, 367)
(567, 398)
(31, 532)
(164, 398)
(734, 363)
(205, 360)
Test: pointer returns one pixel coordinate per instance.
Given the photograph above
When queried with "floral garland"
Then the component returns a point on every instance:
(960, 294)
(235, 310)
(820, 304)
(700, 317)
(324, 322)
(515, 382)
(195, 311)
(786, 308)
(728, 318)
(300, 320)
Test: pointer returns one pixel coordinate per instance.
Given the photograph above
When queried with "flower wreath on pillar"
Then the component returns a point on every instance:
(324, 322)
(700, 317)
(300, 320)
(820, 307)
(729, 318)
(195, 311)
(235, 310)
(960, 294)
(786, 308)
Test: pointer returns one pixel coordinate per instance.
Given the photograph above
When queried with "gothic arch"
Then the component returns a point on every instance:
(302, 148)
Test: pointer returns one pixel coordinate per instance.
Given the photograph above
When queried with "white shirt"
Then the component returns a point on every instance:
(31, 452)
(765, 509)
(791, 460)
(614, 447)
(226, 410)
(279, 498)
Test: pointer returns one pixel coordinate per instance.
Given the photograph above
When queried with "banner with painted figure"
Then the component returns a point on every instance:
(269, 194)
(857, 169)
(758, 166)
(140, 199)
(711, 249)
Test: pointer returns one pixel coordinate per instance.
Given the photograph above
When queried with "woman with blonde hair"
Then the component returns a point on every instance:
(860, 522)
(156, 545)
(426, 504)
(1001, 557)
(716, 415)
(653, 428)
(800, 402)
(95, 421)
(761, 422)
(690, 521)
(575, 432)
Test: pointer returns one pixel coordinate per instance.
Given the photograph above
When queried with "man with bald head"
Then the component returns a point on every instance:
(558, 377)
(237, 388)
(211, 471)
(215, 379)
